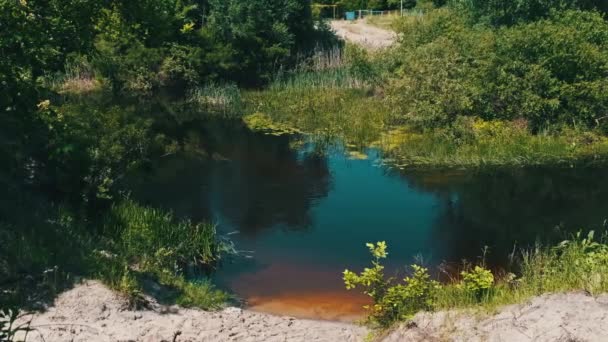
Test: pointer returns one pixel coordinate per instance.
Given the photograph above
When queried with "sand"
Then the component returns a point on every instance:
(564, 317)
(92, 312)
(364, 34)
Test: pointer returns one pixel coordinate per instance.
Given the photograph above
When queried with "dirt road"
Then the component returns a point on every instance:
(364, 34)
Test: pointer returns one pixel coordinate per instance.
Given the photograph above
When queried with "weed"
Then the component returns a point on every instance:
(9, 328)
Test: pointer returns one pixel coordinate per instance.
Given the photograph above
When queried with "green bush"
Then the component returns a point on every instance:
(551, 72)
(477, 281)
(580, 263)
(392, 302)
(498, 12)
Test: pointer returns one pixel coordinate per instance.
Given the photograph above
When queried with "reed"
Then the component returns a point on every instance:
(216, 99)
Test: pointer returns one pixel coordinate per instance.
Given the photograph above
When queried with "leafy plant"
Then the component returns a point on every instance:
(392, 302)
(478, 281)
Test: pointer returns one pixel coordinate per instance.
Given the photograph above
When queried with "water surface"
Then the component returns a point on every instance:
(301, 217)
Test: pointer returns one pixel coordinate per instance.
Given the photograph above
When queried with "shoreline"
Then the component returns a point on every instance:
(92, 312)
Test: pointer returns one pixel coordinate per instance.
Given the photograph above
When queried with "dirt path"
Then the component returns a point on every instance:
(362, 33)
(91, 312)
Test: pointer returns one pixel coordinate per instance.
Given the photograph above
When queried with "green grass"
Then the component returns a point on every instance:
(353, 115)
(152, 245)
(405, 148)
(578, 264)
(132, 248)
(361, 117)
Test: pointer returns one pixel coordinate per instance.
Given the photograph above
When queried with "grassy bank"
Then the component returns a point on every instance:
(361, 117)
(132, 248)
(458, 91)
(580, 263)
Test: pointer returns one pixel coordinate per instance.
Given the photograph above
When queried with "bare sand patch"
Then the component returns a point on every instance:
(364, 34)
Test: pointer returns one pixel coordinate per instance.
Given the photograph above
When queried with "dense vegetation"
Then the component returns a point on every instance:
(460, 89)
(83, 95)
(84, 87)
(578, 263)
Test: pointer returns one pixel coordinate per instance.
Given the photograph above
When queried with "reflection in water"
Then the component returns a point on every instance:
(504, 209)
(251, 181)
(306, 217)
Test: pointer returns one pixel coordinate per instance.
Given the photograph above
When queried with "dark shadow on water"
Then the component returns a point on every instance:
(248, 181)
(510, 209)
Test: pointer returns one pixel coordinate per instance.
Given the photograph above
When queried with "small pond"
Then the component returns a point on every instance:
(301, 217)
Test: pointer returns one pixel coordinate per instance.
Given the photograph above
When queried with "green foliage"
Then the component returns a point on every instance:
(90, 147)
(497, 12)
(392, 302)
(478, 280)
(154, 239)
(580, 263)
(257, 37)
(152, 243)
(478, 143)
(43, 248)
(448, 69)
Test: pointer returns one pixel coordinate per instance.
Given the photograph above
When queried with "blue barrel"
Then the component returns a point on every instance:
(350, 15)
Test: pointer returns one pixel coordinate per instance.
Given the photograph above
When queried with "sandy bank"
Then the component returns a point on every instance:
(91, 312)
(569, 317)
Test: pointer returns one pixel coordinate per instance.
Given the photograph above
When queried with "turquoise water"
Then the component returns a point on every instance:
(300, 217)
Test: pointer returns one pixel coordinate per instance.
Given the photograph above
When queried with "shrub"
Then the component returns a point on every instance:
(550, 72)
(477, 281)
(392, 302)
(499, 12)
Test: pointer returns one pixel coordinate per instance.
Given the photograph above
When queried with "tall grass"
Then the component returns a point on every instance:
(129, 248)
(152, 243)
(216, 99)
(334, 68)
(573, 265)
(580, 263)
(78, 78)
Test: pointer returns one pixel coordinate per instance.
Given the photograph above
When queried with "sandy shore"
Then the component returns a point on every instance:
(91, 312)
